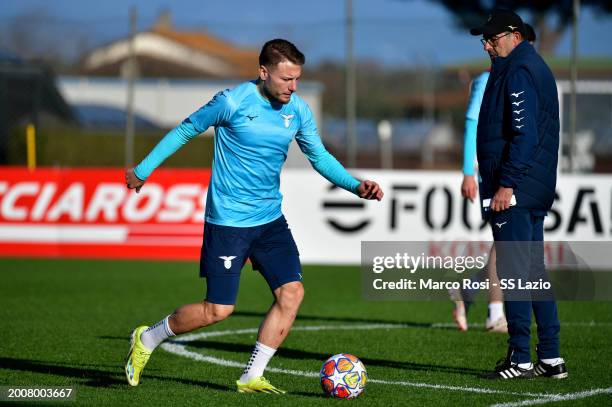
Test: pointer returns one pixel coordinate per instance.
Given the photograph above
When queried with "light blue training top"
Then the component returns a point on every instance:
(471, 122)
(252, 137)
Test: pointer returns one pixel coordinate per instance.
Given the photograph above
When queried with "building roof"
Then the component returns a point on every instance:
(164, 51)
(243, 60)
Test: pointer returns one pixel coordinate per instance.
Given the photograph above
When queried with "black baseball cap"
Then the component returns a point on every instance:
(499, 21)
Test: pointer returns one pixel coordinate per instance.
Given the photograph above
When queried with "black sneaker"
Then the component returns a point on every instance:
(557, 371)
(508, 370)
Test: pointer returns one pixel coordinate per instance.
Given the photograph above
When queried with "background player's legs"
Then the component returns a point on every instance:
(495, 292)
(496, 320)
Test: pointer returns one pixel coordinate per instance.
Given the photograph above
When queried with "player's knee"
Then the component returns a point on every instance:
(291, 295)
(217, 312)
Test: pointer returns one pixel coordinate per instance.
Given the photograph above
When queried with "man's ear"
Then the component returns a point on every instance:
(263, 73)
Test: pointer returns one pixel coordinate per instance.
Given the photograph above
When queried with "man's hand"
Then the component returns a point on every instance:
(468, 187)
(501, 200)
(370, 190)
(132, 181)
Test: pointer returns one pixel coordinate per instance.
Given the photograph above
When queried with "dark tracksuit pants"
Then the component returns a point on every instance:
(519, 236)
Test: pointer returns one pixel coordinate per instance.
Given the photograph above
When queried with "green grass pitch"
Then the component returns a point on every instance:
(66, 323)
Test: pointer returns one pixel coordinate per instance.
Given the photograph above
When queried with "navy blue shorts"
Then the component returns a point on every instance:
(225, 249)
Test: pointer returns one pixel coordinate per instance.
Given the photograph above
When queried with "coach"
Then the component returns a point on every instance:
(517, 148)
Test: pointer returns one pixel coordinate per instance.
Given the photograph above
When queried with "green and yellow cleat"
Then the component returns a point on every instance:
(137, 358)
(258, 385)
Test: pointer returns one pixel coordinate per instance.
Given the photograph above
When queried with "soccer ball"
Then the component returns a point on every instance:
(343, 376)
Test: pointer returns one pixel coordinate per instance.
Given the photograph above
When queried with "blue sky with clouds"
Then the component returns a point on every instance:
(394, 32)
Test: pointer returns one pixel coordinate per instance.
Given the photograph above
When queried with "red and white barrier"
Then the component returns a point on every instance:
(89, 213)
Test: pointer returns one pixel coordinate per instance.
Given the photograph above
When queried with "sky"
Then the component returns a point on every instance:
(392, 32)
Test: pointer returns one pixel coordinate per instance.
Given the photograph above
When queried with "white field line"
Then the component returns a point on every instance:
(557, 397)
(480, 390)
(178, 347)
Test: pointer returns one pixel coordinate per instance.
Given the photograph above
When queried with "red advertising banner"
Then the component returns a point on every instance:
(89, 213)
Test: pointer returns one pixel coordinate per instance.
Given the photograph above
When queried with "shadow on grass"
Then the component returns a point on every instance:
(110, 379)
(305, 355)
(301, 317)
(94, 377)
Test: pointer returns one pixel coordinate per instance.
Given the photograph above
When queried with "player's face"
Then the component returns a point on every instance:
(280, 81)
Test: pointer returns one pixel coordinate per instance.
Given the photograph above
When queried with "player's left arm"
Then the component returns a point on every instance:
(523, 103)
(326, 164)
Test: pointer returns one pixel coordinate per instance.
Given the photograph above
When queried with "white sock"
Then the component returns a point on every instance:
(553, 361)
(156, 334)
(496, 310)
(257, 363)
(527, 365)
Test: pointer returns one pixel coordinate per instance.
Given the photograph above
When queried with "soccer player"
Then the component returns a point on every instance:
(496, 320)
(254, 125)
(517, 148)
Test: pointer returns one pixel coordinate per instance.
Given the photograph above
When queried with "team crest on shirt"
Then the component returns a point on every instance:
(287, 118)
(227, 261)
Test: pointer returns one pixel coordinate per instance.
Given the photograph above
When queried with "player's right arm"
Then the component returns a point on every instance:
(214, 113)
(468, 186)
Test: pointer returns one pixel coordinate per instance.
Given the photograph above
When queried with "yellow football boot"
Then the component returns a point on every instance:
(137, 358)
(258, 385)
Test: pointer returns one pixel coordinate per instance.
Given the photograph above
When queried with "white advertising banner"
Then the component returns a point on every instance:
(329, 224)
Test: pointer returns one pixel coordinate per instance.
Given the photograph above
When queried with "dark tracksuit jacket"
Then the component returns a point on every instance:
(518, 130)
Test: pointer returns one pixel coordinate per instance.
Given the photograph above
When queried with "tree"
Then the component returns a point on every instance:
(549, 18)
